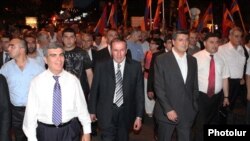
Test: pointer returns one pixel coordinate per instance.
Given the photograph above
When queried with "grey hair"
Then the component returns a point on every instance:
(52, 45)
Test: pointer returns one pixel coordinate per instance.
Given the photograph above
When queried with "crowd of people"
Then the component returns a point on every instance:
(68, 83)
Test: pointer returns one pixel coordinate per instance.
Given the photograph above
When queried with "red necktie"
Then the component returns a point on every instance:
(211, 78)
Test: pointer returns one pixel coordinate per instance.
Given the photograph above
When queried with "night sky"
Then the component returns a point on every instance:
(135, 7)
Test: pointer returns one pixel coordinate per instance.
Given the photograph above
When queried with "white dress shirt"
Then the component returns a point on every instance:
(40, 102)
(221, 70)
(234, 59)
(90, 54)
(182, 63)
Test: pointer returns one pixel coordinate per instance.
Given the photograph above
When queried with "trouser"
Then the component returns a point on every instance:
(70, 131)
(208, 113)
(234, 91)
(17, 122)
(117, 130)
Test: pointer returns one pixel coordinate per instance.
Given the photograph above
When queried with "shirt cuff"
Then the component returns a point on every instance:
(86, 128)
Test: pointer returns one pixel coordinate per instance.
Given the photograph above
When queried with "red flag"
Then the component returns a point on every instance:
(235, 7)
(125, 12)
(182, 11)
(157, 13)
(102, 22)
(144, 25)
(227, 22)
(112, 18)
(208, 16)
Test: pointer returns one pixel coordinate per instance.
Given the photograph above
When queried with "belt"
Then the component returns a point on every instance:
(59, 126)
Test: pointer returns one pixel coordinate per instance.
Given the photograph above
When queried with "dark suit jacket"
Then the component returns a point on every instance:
(5, 112)
(103, 88)
(1, 59)
(171, 91)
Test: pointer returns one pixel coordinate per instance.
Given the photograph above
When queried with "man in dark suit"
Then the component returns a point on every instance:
(87, 40)
(4, 55)
(5, 116)
(116, 115)
(176, 88)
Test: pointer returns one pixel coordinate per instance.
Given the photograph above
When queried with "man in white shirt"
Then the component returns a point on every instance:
(39, 120)
(208, 104)
(234, 57)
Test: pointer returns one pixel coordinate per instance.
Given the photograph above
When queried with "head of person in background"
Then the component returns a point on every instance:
(235, 36)
(135, 35)
(111, 34)
(118, 49)
(5, 40)
(43, 39)
(180, 42)
(211, 42)
(87, 40)
(168, 43)
(54, 57)
(193, 38)
(155, 44)
(156, 33)
(69, 38)
(79, 42)
(30, 39)
(144, 36)
(97, 40)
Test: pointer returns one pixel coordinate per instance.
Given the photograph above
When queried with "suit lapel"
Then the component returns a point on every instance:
(111, 73)
(126, 75)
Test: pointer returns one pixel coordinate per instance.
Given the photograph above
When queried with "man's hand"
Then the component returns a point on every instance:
(86, 137)
(93, 117)
(225, 102)
(137, 124)
(172, 115)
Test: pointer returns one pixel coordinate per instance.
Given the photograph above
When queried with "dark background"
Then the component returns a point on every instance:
(14, 11)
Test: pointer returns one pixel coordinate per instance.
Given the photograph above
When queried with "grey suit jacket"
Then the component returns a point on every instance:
(171, 91)
(103, 88)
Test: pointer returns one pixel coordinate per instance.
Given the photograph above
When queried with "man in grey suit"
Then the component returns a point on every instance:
(176, 88)
(116, 96)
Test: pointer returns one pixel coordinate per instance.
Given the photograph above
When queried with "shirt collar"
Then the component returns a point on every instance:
(122, 63)
(177, 56)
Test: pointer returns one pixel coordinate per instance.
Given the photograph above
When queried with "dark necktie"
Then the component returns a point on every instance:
(57, 103)
(7, 57)
(118, 87)
(211, 78)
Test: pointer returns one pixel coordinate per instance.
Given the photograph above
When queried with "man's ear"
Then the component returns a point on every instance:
(45, 60)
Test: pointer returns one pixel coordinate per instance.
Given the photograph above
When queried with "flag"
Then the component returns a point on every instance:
(125, 12)
(144, 25)
(112, 16)
(234, 7)
(227, 22)
(183, 9)
(157, 13)
(101, 24)
(208, 16)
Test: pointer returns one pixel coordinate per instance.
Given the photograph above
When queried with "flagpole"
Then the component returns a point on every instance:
(150, 16)
(163, 15)
(243, 25)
